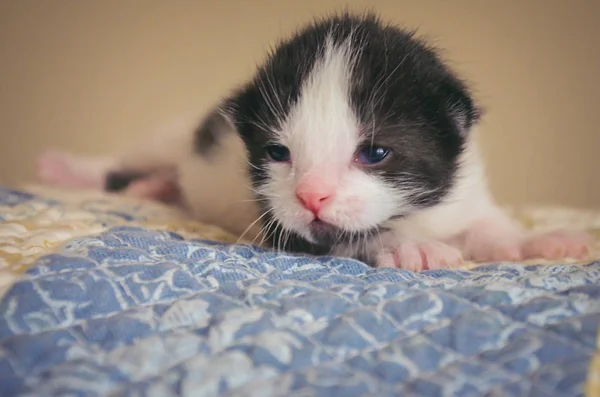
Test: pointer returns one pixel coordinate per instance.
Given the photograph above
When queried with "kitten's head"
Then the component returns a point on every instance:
(351, 123)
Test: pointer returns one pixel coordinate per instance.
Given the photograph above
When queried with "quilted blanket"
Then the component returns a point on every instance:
(103, 296)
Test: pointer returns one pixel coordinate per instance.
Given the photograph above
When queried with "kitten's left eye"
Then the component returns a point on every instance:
(278, 153)
(369, 155)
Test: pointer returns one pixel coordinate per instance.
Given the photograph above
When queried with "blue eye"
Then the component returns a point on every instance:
(371, 155)
(278, 153)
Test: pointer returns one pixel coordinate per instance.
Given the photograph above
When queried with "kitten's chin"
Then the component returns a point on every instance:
(324, 233)
(327, 234)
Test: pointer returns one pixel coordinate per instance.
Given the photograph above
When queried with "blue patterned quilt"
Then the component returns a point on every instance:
(133, 311)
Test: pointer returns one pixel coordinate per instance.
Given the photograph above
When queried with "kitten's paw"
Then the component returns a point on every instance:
(557, 245)
(53, 168)
(488, 242)
(420, 255)
(62, 169)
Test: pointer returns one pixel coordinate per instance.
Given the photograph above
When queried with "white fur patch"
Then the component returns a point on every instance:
(220, 192)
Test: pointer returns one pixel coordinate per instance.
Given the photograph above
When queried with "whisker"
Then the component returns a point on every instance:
(252, 224)
(268, 234)
(287, 239)
(380, 239)
(262, 232)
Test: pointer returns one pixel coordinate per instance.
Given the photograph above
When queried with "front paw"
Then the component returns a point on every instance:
(419, 255)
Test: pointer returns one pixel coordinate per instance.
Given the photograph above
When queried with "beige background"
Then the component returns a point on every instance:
(90, 75)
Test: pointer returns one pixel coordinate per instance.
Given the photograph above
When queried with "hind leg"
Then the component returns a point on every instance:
(63, 169)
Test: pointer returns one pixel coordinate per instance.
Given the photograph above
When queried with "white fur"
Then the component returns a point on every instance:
(216, 189)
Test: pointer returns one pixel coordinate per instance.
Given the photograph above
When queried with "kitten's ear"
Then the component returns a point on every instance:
(461, 106)
(229, 110)
(212, 128)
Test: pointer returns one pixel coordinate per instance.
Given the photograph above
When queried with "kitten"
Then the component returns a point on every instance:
(352, 139)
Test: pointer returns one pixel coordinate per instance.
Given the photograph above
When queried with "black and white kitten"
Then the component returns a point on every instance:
(352, 139)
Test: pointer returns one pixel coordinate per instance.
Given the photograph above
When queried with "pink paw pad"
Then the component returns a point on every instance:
(417, 256)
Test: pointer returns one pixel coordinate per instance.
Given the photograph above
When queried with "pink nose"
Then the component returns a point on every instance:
(313, 200)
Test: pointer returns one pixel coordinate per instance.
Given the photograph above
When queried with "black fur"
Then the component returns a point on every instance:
(118, 181)
(409, 100)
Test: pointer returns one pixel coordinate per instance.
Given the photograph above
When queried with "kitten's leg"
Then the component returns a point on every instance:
(492, 238)
(150, 169)
(556, 245)
(63, 169)
(485, 241)
(158, 154)
(498, 238)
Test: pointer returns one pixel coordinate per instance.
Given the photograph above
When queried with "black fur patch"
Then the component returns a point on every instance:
(402, 92)
(118, 181)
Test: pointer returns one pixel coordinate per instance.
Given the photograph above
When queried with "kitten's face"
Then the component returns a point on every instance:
(348, 125)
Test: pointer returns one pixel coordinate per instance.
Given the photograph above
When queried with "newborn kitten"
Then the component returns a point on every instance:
(352, 139)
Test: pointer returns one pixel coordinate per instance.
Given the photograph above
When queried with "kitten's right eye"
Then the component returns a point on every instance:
(278, 153)
(370, 155)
